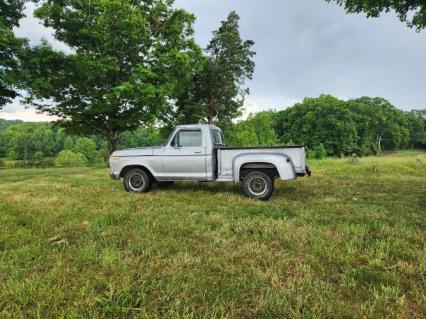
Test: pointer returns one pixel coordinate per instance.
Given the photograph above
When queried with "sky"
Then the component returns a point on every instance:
(304, 48)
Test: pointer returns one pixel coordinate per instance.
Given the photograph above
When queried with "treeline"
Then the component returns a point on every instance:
(47, 144)
(327, 125)
(364, 126)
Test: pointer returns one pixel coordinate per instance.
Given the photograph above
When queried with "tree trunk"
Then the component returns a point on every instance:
(210, 118)
(112, 138)
(379, 144)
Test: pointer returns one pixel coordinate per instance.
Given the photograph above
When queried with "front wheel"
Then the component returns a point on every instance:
(257, 184)
(137, 181)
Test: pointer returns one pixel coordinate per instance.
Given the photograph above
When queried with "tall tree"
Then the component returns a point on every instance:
(218, 89)
(11, 49)
(128, 59)
(413, 12)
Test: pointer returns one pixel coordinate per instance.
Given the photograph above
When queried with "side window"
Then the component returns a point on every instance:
(217, 137)
(187, 139)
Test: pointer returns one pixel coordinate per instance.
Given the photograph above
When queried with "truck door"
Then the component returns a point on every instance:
(185, 156)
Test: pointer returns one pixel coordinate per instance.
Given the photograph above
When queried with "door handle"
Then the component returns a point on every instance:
(199, 152)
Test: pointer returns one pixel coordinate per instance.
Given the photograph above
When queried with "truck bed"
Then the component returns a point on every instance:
(226, 155)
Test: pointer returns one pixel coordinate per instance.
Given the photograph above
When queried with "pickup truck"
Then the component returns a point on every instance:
(198, 152)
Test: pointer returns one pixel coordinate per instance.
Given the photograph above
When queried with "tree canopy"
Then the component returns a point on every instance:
(11, 51)
(364, 125)
(256, 130)
(326, 125)
(127, 59)
(413, 12)
(217, 91)
(11, 12)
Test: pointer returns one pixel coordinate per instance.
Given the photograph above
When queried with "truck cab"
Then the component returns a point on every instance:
(189, 151)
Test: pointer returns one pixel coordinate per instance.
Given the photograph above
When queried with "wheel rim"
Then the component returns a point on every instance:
(257, 185)
(136, 182)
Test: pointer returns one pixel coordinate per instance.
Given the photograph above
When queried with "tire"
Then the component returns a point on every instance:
(259, 185)
(137, 181)
(165, 183)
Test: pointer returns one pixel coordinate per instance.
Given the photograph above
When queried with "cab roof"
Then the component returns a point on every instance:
(197, 126)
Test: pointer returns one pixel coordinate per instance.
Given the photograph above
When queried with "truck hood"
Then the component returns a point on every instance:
(141, 151)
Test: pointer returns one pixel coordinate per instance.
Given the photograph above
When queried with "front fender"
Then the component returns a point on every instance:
(283, 164)
(119, 165)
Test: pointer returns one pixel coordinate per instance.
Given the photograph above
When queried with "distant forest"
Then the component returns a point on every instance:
(326, 125)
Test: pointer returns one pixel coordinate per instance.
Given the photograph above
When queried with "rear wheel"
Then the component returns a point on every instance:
(257, 184)
(137, 181)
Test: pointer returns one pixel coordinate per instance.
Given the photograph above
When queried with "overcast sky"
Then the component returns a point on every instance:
(304, 48)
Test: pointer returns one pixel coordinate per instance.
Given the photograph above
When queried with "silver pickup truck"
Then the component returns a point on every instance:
(197, 152)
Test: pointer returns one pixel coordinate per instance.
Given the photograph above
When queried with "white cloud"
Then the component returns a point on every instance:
(27, 115)
(18, 111)
(33, 29)
(254, 104)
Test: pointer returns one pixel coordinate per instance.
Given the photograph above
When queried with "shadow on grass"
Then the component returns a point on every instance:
(208, 187)
(283, 193)
(286, 190)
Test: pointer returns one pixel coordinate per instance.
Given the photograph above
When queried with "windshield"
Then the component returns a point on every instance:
(217, 136)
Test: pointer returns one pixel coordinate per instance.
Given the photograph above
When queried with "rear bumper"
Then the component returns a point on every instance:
(114, 176)
(307, 172)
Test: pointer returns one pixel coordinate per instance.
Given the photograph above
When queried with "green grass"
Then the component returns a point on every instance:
(348, 242)
(7, 163)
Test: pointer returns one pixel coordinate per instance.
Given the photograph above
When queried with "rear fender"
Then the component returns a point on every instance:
(282, 163)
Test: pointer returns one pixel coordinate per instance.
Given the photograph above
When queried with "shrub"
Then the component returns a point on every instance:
(23, 164)
(12, 155)
(87, 147)
(320, 151)
(310, 153)
(317, 152)
(2, 163)
(67, 158)
(68, 143)
(46, 162)
(38, 156)
(103, 153)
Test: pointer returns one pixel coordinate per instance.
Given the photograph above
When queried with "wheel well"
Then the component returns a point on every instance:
(267, 168)
(128, 168)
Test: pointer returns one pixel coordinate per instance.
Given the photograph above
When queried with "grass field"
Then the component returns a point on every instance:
(349, 242)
